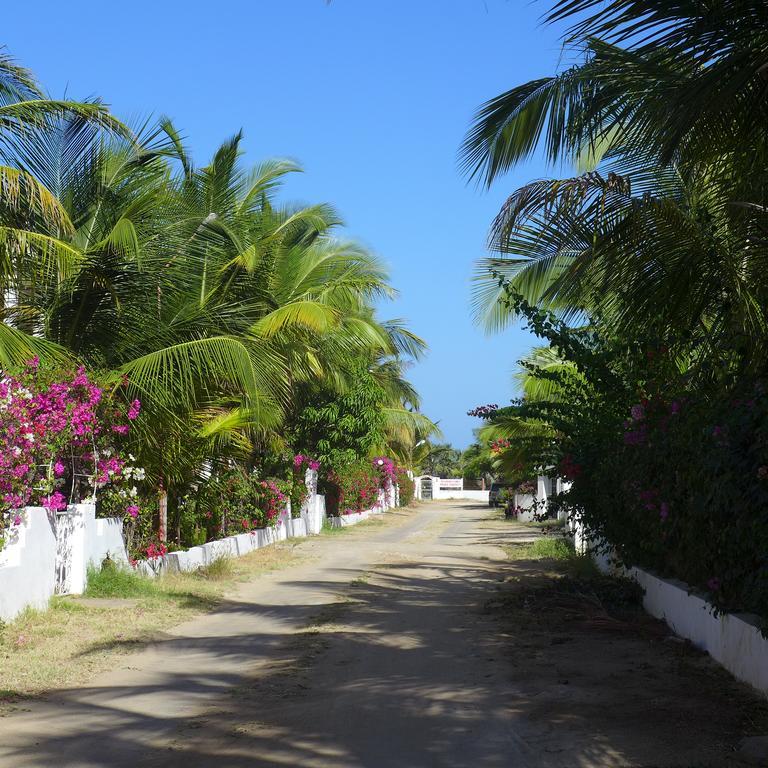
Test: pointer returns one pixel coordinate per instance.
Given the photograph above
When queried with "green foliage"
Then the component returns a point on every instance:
(341, 428)
(224, 310)
(352, 487)
(404, 486)
(443, 460)
(237, 500)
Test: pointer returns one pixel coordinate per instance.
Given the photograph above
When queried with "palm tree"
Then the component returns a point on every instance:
(666, 238)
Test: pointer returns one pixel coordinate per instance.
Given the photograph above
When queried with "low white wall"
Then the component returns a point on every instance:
(104, 536)
(47, 549)
(27, 564)
(353, 518)
(733, 640)
(526, 503)
(385, 502)
(481, 496)
(288, 527)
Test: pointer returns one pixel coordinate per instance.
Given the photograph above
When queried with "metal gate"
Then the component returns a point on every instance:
(65, 529)
(426, 487)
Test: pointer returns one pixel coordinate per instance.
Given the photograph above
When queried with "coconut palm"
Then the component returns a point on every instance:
(666, 238)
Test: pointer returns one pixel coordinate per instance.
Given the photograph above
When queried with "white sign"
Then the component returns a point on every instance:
(452, 484)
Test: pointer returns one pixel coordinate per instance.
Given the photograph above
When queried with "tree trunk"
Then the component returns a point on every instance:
(162, 523)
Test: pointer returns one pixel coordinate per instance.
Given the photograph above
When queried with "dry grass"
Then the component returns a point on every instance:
(75, 639)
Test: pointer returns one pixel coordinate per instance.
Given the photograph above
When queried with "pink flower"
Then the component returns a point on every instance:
(55, 502)
(17, 520)
(133, 411)
(638, 412)
(132, 510)
(120, 429)
(58, 468)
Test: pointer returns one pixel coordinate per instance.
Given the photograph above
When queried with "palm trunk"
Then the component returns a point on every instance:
(162, 523)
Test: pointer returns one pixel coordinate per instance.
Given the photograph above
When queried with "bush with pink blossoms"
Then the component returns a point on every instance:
(385, 468)
(57, 435)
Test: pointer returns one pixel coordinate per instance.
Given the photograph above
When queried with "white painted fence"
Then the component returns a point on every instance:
(49, 553)
(733, 640)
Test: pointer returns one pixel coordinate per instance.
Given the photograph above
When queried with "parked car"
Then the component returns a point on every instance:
(497, 489)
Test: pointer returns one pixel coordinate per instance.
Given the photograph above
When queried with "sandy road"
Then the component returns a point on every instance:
(384, 648)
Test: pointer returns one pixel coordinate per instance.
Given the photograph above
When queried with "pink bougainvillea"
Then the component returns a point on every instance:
(52, 428)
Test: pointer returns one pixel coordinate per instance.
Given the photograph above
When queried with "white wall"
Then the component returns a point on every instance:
(46, 544)
(733, 640)
(27, 564)
(479, 496)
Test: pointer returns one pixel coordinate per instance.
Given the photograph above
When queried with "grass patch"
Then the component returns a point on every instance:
(220, 569)
(559, 552)
(577, 580)
(542, 549)
(118, 582)
(550, 525)
(71, 641)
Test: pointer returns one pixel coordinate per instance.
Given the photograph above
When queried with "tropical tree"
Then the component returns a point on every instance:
(224, 311)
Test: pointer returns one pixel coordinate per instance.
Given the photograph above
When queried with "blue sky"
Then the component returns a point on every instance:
(372, 97)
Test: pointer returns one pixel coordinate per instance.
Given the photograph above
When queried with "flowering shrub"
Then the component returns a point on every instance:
(385, 468)
(688, 495)
(354, 487)
(351, 488)
(238, 501)
(404, 486)
(669, 468)
(57, 435)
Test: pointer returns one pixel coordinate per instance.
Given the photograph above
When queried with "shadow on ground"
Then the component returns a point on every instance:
(435, 656)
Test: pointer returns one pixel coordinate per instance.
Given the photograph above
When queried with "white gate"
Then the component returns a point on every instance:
(70, 550)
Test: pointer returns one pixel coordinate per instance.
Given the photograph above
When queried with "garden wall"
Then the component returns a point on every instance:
(49, 553)
(733, 640)
(480, 496)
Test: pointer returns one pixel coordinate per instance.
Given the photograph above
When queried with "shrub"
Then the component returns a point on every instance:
(404, 486)
(682, 489)
(59, 438)
(351, 488)
(237, 501)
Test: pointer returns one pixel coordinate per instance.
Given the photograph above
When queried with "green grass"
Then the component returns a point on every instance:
(560, 551)
(220, 569)
(542, 549)
(71, 641)
(118, 582)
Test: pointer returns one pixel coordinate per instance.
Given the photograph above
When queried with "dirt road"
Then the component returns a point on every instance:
(395, 645)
